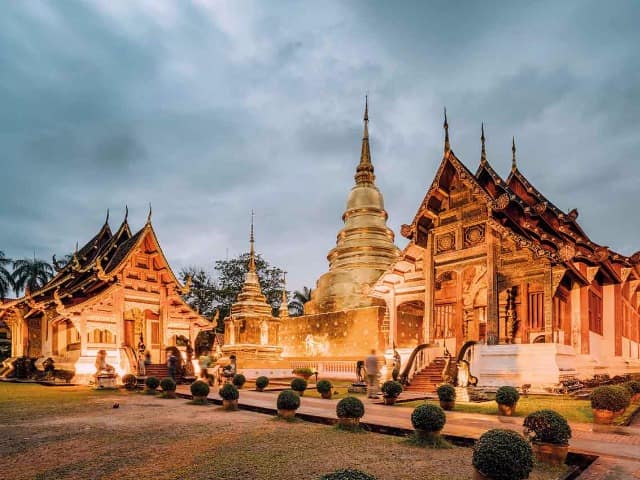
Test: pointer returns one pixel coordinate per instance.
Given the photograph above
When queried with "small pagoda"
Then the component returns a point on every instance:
(251, 330)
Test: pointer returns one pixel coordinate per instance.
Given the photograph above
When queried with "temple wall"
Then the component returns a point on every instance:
(336, 334)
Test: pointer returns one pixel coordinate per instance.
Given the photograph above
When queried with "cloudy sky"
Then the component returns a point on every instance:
(210, 109)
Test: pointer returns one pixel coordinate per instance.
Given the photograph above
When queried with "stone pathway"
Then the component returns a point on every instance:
(617, 447)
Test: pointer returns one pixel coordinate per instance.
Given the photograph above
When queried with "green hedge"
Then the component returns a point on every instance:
(503, 455)
(288, 400)
(391, 388)
(229, 392)
(610, 397)
(446, 393)
(299, 384)
(348, 474)
(200, 388)
(547, 426)
(152, 383)
(428, 417)
(350, 407)
(168, 384)
(507, 396)
(262, 382)
(324, 386)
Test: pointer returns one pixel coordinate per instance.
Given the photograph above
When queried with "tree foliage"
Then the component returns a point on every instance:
(6, 280)
(30, 273)
(299, 298)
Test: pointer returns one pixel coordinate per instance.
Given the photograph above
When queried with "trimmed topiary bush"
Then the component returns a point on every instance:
(305, 372)
(239, 380)
(262, 382)
(350, 407)
(633, 386)
(428, 417)
(446, 393)
(129, 381)
(503, 455)
(299, 385)
(152, 383)
(507, 396)
(200, 389)
(288, 400)
(610, 397)
(547, 426)
(348, 474)
(391, 388)
(324, 386)
(229, 392)
(168, 384)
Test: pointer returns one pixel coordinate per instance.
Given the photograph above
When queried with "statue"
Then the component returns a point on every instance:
(102, 367)
(396, 364)
(141, 346)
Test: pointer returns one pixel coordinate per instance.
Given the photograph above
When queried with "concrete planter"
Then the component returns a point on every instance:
(258, 389)
(550, 453)
(507, 410)
(389, 400)
(285, 413)
(427, 435)
(200, 398)
(169, 394)
(230, 404)
(349, 422)
(603, 417)
(447, 405)
(326, 395)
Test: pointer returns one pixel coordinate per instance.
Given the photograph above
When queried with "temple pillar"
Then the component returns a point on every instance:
(393, 317)
(429, 287)
(548, 307)
(584, 320)
(493, 327)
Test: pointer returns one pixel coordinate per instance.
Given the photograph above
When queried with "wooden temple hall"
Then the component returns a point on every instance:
(117, 294)
(493, 261)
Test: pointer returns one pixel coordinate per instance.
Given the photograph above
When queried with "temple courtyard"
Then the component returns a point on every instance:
(75, 432)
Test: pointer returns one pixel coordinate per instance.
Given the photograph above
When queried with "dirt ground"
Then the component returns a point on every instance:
(75, 433)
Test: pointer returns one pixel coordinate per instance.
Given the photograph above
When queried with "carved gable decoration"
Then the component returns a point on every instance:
(445, 242)
(474, 235)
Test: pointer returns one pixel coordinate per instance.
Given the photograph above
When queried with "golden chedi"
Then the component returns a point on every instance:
(364, 247)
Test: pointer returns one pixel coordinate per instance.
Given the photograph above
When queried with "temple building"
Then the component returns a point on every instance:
(496, 273)
(117, 293)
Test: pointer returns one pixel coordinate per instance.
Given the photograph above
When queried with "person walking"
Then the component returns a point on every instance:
(371, 365)
(172, 363)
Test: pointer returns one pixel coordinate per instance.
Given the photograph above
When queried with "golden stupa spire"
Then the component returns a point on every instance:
(284, 305)
(483, 153)
(364, 172)
(447, 146)
(252, 253)
(514, 165)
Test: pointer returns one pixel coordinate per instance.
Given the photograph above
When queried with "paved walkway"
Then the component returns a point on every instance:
(617, 447)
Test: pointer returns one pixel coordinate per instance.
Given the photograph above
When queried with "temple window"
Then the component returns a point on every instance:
(101, 336)
(536, 311)
(443, 319)
(595, 312)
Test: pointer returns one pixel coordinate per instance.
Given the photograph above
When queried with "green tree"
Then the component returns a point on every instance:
(30, 273)
(300, 297)
(201, 295)
(6, 281)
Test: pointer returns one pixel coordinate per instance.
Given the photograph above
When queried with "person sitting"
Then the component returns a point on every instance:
(230, 370)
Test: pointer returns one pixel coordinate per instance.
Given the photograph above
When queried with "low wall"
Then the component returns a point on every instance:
(336, 334)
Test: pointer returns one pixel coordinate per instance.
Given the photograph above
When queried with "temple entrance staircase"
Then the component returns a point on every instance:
(158, 370)
(428, 379)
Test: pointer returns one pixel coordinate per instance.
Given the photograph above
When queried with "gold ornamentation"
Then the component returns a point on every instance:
(445, 242)
(473, 235)
(567, 251)
(501, 202)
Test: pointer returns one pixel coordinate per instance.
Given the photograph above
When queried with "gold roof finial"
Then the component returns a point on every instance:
(364, 172)
(252, 253)
(447, 146)
(514, 165)
(284, 305)
(483, 153)
(106, 220)
(126, 213)
(149, 214)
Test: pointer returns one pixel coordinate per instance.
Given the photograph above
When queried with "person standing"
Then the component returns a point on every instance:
(371, 365)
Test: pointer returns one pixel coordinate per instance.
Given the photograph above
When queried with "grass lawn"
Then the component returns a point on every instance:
(70, 433)
(570, 408)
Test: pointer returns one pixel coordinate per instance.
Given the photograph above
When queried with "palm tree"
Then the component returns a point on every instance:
(6, 282)
(300, 297)
(31, 274)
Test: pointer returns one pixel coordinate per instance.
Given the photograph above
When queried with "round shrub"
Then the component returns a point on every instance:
(287, 400)
(446, 393)
(507, 396)
(633, 386)
(152, 383)
(503, 455)
(168, 384)
(428, 417)
(348, 474)
(239, 380)
(610, 397)
(324, 386)
(199, 388)
(350, 407)
(229, 392)
(391, 388)
(547, 426)
(303, 371)
(129, 381)
(262, 382)
(299, 384)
